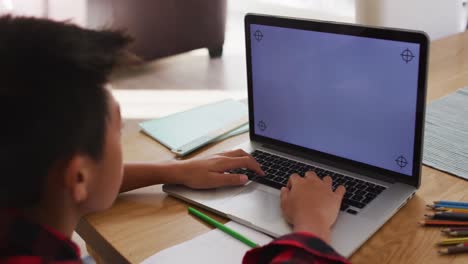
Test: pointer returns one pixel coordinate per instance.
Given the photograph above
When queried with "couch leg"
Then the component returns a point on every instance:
(215, 52)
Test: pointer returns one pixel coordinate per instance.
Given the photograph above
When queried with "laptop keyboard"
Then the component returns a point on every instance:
(358, 194)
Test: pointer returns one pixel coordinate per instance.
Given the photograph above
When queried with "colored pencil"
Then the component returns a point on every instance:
(452, 229)
(443, 223)
(451, 203)
(448, 216)
(222, 227)
(449, 206)
(447, 209)
(453, 241)
(463, 211)
(457, 233)
(460, 248)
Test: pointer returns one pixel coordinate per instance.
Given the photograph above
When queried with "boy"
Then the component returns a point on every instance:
(61, 157)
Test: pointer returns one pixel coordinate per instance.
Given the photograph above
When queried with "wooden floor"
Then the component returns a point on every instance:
(178, 81)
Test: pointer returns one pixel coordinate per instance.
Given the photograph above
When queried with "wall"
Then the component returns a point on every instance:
(438, 18)
(74, 10)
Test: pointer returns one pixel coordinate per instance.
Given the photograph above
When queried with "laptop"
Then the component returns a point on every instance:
(339, 99)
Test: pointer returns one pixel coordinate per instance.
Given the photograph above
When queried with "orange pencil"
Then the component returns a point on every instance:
(448, 210)
(463, 211)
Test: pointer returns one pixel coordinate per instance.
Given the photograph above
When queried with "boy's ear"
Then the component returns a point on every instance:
(77, 178)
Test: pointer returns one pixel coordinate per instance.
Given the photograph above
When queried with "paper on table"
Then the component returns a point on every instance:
(212, 247)
(446, 134)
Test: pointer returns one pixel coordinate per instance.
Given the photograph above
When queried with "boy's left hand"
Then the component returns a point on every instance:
(211, 172)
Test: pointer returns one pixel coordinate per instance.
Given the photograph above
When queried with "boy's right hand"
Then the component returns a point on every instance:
(310, 204)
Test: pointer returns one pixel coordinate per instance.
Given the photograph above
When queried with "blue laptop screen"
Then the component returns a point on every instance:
(352, 97)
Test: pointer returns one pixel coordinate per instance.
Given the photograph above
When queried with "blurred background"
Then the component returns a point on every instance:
(438, 18)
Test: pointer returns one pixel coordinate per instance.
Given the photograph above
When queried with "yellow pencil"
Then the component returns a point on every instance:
(453, 241)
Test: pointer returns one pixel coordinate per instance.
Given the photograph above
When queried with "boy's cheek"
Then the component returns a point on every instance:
(110, 176)
(103, 200)
(103, 193)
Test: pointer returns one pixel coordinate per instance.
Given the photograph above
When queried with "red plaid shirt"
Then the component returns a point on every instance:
(22, 241)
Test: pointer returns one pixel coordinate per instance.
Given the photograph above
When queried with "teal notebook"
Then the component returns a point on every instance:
(187, 131)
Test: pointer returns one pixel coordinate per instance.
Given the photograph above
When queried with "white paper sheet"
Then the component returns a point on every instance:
(212, 247)
(446, 134)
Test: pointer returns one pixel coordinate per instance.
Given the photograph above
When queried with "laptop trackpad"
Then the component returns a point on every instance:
(257, 205)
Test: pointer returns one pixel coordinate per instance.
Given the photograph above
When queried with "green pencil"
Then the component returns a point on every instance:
(222, 227)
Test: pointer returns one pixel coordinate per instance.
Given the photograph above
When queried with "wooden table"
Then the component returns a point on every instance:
(145, 221)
